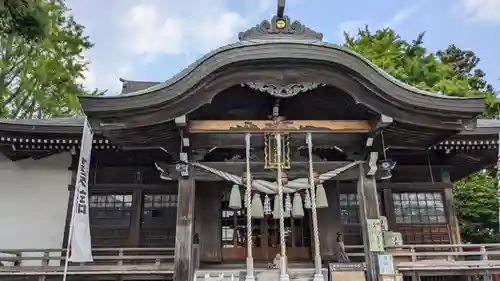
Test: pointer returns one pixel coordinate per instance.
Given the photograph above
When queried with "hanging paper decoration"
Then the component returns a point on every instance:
(257, 209)
(307, 200)
(286, 214)
(297, 209)
(321, 201)
(276, 208)
(235, 198)
(267, 205)
(288, 203)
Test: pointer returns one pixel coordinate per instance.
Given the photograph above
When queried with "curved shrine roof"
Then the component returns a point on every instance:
(277, 52)
(268, 54)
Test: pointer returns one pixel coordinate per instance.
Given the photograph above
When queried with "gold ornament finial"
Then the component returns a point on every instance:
(280, 24)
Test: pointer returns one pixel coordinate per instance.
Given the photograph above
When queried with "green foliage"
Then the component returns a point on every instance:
(451, 71)
(24, 18)
(477, 208)
(464, 64)
(40, 79)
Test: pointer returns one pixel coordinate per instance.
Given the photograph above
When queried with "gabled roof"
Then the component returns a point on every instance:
(64, 125)
(484, 127)
(129, 86)
(268, 54)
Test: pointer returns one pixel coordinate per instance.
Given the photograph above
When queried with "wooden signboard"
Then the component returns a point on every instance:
(385, 264)
(375, 237)
(347, 271)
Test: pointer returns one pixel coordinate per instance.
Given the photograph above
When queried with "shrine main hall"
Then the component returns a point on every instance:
(278, 150)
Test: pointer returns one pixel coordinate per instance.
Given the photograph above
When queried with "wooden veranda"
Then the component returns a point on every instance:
(415, 262)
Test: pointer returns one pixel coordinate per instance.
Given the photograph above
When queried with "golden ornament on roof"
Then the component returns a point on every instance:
(280, 24)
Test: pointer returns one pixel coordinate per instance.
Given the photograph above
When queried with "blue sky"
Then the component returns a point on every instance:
(152, 40)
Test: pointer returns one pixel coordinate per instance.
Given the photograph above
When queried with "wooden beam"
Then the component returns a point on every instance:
(378, 127)
(237, 140)
(263, 126)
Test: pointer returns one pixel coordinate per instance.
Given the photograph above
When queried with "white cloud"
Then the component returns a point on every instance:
(148, 33)
(88, 80)
(168, 27)
(131, 33)
(482, 10)
(405, 14)
(265, 5)
(352, 26)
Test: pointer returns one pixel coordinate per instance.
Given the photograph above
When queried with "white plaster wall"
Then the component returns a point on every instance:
(33, 202)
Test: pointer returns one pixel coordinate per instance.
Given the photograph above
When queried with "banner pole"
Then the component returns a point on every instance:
(70, 233)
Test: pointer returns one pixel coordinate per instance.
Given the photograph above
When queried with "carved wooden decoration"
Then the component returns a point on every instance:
(283, 91)
(280, 27)
(268, 126)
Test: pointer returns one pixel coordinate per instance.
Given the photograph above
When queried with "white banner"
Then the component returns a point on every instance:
(81, 248)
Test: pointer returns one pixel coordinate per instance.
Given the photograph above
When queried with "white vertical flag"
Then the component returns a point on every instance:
(81, 248)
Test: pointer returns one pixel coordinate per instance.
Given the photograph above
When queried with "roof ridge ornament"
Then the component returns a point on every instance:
(280, 27)
(283, 91)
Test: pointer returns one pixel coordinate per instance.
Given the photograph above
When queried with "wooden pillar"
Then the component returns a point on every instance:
(329, 222)
(389, 208)
(184, 232)
(369, 209)
(135, 219)
(183, 263)
(451, 211)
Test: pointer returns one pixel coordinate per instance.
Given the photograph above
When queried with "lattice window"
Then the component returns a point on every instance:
(228, 232)
(419, 207)
(349, 208)
(158, 220)
(234, 229)
(110, 216)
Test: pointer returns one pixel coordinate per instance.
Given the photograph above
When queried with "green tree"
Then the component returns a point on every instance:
(465, 63)
(40, 79)
(22, 17)
(452, 71)
(409, 62)
(477, 208)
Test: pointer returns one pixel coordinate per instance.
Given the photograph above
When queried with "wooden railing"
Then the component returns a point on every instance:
(107, 261)
(432, 259)
(434, 251)
(441, 259)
